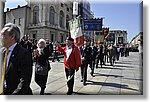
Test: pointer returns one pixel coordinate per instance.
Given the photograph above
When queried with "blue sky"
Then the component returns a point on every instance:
(118, 15)
(121, 16)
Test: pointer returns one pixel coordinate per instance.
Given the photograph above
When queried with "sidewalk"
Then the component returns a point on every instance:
(124, 78)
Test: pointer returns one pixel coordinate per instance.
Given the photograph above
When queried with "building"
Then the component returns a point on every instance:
(118, 37)
(19, 16)
(84, 10)
(42, 19)
(49, 19)
(135, 41)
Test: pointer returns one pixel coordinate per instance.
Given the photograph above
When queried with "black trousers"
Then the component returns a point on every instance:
(84, 67)
(70, 79)
(92, 65)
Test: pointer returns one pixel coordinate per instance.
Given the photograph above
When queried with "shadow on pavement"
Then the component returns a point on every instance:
(110, 68)
(79, 93)
(111, 85)
(107, 75)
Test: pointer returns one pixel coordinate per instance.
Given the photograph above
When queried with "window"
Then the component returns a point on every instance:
(14, 21)
(34, 36)
(67, 23)
(52, 15)
(62, 4)
(61, 19)
(19, 21)
(62, 38)
(67, 9)
(52, 37)
(36, 15)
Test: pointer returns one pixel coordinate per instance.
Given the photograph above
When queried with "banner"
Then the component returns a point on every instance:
(99, 37)
(76, 31)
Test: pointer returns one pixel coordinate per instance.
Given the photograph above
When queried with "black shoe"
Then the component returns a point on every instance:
(92, 75)
(69, 93)
(42, 93)
(84, 83)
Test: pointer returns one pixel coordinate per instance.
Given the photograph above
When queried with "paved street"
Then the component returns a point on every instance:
(125, 77)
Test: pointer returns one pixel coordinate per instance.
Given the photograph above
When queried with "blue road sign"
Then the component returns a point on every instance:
(92, 24)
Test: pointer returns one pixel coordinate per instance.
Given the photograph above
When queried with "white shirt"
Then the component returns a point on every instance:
(11, 48)
(68, 52)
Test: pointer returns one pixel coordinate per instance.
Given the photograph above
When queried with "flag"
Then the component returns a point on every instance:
(99, 37)
(76, 31)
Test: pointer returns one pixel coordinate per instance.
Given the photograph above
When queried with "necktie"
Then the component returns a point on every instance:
(3, 72)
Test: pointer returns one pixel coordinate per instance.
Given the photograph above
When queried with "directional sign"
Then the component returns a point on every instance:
(92, 24)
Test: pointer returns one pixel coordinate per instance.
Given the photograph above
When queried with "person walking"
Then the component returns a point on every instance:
(94, 54)
(17, 63)
(72, 61)
(86, 54)
(41, 56)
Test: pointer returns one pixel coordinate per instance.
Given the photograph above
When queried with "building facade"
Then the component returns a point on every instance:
(19, 16)
(118, 37)
(49, 20)
(42, 19)
(85, 12)
(135, 41)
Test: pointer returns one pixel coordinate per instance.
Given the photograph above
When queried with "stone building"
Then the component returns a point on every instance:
(135, 41)
(49, 19)
(19, 16)
(120, 36)
(42, 19)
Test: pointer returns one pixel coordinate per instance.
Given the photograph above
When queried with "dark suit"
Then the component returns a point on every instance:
(87, 54)
(19, 72)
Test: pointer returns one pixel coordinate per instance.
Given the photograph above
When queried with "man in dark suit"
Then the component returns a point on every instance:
(18, 70)
(86, 54)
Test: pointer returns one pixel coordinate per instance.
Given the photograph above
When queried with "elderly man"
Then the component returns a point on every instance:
(72, 61)
(17, 63)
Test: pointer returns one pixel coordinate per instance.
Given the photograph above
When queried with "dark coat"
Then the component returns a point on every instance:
(87, 53)
(19, 72)
(42, 60)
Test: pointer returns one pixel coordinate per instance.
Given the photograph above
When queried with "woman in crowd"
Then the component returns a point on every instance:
(41, 55)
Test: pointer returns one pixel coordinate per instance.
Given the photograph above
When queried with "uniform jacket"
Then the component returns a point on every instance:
(74, 60)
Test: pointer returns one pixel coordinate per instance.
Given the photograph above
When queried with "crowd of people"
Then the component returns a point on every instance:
(18, 61)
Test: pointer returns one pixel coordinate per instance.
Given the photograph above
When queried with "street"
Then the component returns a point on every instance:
(124, 78)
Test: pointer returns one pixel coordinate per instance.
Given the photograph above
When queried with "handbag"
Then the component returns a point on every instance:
(41, 70)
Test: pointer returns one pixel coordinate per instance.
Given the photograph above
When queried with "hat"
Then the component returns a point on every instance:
(69, 38)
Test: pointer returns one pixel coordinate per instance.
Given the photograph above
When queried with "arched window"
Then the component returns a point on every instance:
(52, 15)
(36, 15)
(61, 19)
(67, 23)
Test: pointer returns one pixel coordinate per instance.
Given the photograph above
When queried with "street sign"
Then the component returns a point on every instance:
(92, 24)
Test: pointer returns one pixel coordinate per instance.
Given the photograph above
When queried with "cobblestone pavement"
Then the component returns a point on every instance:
(124, 78)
